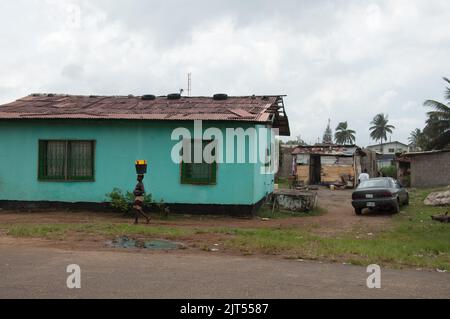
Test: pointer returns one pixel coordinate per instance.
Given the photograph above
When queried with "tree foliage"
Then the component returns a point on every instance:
(328, 135)
(437, 129)
(418, 139)
(297, 141)
(380, 127)
(343, 134)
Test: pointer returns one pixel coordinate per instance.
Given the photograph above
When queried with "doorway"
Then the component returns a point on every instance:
(315, 169)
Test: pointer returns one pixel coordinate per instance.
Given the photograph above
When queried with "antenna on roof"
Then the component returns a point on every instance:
(189, 92)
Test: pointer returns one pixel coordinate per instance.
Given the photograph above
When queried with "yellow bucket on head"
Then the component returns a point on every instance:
(141, 167)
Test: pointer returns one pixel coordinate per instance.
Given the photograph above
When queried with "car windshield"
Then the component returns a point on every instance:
(374, 183)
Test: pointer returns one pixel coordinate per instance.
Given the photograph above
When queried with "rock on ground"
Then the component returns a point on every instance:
(438, 199)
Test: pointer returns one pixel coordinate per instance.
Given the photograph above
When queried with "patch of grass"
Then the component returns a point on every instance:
(40, 231)
(266, 212)
(145, 230)
(414, 240)
(391, 248)
(283, 182)
(58, 231)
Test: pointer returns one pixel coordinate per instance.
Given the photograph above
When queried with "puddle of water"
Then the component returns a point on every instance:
(161, 244)
(124, 242)
(129, 243)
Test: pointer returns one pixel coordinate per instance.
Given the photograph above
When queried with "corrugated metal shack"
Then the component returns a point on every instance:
(328, 164)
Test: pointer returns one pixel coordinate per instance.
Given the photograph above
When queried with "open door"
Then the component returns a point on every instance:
(315, 170)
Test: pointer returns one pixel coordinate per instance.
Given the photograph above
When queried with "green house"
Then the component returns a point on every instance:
(71, 150)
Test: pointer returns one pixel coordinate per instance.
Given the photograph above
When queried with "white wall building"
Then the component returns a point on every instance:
(386, 152)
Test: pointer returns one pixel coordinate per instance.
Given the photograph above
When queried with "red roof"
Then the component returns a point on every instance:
(260, 109)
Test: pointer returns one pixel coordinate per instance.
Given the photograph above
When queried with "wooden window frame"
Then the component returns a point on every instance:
(196, 181)
(42, 176)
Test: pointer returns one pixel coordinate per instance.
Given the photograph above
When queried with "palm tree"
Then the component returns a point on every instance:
(439, 121)
(380, 128)
(417, 139)
(344, 135)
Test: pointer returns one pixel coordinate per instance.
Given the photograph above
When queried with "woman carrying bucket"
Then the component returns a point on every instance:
(139, 192)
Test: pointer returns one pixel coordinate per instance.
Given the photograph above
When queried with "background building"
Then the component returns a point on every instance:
(327, 164)
(386, 152)
(425, 169)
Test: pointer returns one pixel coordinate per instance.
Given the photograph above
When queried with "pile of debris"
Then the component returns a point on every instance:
(294, 200)
(444, 218)
(438, 199)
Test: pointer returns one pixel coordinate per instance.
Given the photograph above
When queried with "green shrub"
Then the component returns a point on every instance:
(118, 200)
(389, 171)
(123, 202)
(164, 211)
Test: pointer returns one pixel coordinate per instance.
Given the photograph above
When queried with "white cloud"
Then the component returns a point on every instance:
(340, 61)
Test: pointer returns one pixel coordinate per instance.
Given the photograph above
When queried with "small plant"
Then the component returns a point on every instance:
(119, 201)
(123, 202)
(163, 209)
(148, 200)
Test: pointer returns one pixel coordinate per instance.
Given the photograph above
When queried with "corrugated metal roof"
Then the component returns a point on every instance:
(235, 108)
(409, 154)
(326, 149)
(70, 106)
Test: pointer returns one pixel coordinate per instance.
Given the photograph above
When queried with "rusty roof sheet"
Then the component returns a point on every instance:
(260, 109)
(324, 149)
(251, 108)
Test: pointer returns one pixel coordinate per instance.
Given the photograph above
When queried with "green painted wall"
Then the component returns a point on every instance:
(118, 145)
(263, 182)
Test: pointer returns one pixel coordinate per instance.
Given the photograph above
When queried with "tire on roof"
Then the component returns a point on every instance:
(220, 97)
(148, 97)
(174, 96)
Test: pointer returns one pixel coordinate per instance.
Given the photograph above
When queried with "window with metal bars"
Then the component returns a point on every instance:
(66, 160)
(203, 173)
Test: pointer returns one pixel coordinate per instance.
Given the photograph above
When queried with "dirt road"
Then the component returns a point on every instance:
(31, 272)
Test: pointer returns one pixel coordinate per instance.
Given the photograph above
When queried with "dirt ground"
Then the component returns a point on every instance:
(30, 264)
(338, 218)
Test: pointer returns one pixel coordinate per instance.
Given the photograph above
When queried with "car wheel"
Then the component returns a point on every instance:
(396, 207)
(358, 211)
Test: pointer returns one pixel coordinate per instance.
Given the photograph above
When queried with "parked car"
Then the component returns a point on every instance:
(381, 193)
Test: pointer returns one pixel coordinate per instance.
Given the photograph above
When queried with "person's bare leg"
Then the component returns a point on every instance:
(136, 216)
(145, 215)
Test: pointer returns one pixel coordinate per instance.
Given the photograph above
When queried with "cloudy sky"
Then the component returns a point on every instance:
(344, 60)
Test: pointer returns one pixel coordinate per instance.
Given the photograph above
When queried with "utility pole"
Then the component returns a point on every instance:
(189, 91)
